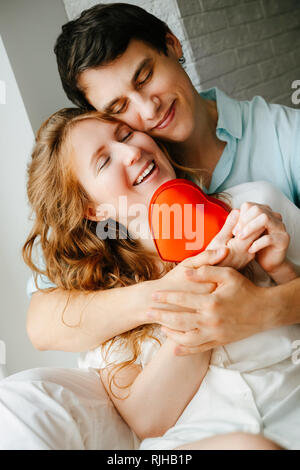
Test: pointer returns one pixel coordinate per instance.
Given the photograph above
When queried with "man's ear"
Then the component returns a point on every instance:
(94, 214)
(173, 45)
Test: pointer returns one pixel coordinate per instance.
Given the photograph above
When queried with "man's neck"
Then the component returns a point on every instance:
(203, 149)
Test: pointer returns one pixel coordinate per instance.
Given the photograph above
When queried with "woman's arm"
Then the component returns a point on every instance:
(159, 392)
(73, 321)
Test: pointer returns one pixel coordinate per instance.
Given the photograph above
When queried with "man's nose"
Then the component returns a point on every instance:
(146, 106)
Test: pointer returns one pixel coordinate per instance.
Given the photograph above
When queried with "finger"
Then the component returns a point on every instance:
(261, 243)
(248, 212)
(179, 321)
(181, 298)
(244, 243)
(263, 221)
(246, 206)
(186, 351)
(205, 257)
(216, 274)
(187, 338)
(225, 233)
(201, 287)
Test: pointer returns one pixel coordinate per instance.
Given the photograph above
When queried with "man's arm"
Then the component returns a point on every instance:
(80, 321)
(219, 319)
(166, 385)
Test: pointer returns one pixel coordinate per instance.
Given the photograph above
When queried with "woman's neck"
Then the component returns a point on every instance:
(203, 149)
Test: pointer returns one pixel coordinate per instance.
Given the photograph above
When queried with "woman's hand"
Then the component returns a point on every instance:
(238, 255)
(271, 248)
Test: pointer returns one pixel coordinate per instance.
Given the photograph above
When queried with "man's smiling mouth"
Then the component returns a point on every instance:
(168, 117)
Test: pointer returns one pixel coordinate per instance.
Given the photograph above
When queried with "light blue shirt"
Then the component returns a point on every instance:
(263, 144)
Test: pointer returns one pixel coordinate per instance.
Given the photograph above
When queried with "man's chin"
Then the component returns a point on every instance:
(178, 136)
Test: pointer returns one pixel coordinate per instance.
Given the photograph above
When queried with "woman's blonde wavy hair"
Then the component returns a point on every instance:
(75, 258)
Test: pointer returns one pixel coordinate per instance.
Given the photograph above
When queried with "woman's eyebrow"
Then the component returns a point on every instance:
(140, 67)
(94, 156)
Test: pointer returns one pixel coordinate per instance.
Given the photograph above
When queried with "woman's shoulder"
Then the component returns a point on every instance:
(259, 192)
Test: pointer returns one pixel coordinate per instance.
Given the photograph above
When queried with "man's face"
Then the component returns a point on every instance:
(146, 89)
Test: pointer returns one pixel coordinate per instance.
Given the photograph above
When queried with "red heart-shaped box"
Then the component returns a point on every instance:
(196, 219)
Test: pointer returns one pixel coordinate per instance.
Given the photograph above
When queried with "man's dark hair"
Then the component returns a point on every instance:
(100, 35)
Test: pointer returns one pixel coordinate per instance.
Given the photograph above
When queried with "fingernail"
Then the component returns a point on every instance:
(189, 272)
(156, 296)
(150, 315)
(178, 350)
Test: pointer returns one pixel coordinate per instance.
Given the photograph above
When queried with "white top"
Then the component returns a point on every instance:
(252, 385)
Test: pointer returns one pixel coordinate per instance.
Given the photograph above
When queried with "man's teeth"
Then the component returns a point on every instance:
(145, 173)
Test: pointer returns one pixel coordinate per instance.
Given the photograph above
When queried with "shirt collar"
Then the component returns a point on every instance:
(229, 111)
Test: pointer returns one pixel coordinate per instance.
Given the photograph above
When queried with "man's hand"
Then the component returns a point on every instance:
(177, 280)
(235, 310)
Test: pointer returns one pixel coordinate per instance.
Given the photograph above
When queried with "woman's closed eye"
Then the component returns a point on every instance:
(100, 163)
(123, 137)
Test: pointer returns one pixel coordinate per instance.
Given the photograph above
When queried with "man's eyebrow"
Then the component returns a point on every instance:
(142, 64)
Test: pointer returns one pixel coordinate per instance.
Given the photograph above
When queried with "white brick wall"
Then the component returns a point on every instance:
(250, 47)
(245, 47)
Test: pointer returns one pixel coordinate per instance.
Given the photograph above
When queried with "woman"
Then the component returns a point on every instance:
(92, 162)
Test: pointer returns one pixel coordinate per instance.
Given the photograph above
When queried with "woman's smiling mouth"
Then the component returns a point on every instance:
(146, 175)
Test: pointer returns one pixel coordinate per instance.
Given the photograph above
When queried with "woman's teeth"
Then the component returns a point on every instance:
(145, 173)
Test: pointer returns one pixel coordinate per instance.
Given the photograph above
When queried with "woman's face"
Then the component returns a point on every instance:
(111, 160)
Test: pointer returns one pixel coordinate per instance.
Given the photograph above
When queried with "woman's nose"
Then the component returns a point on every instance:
(129, 154)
